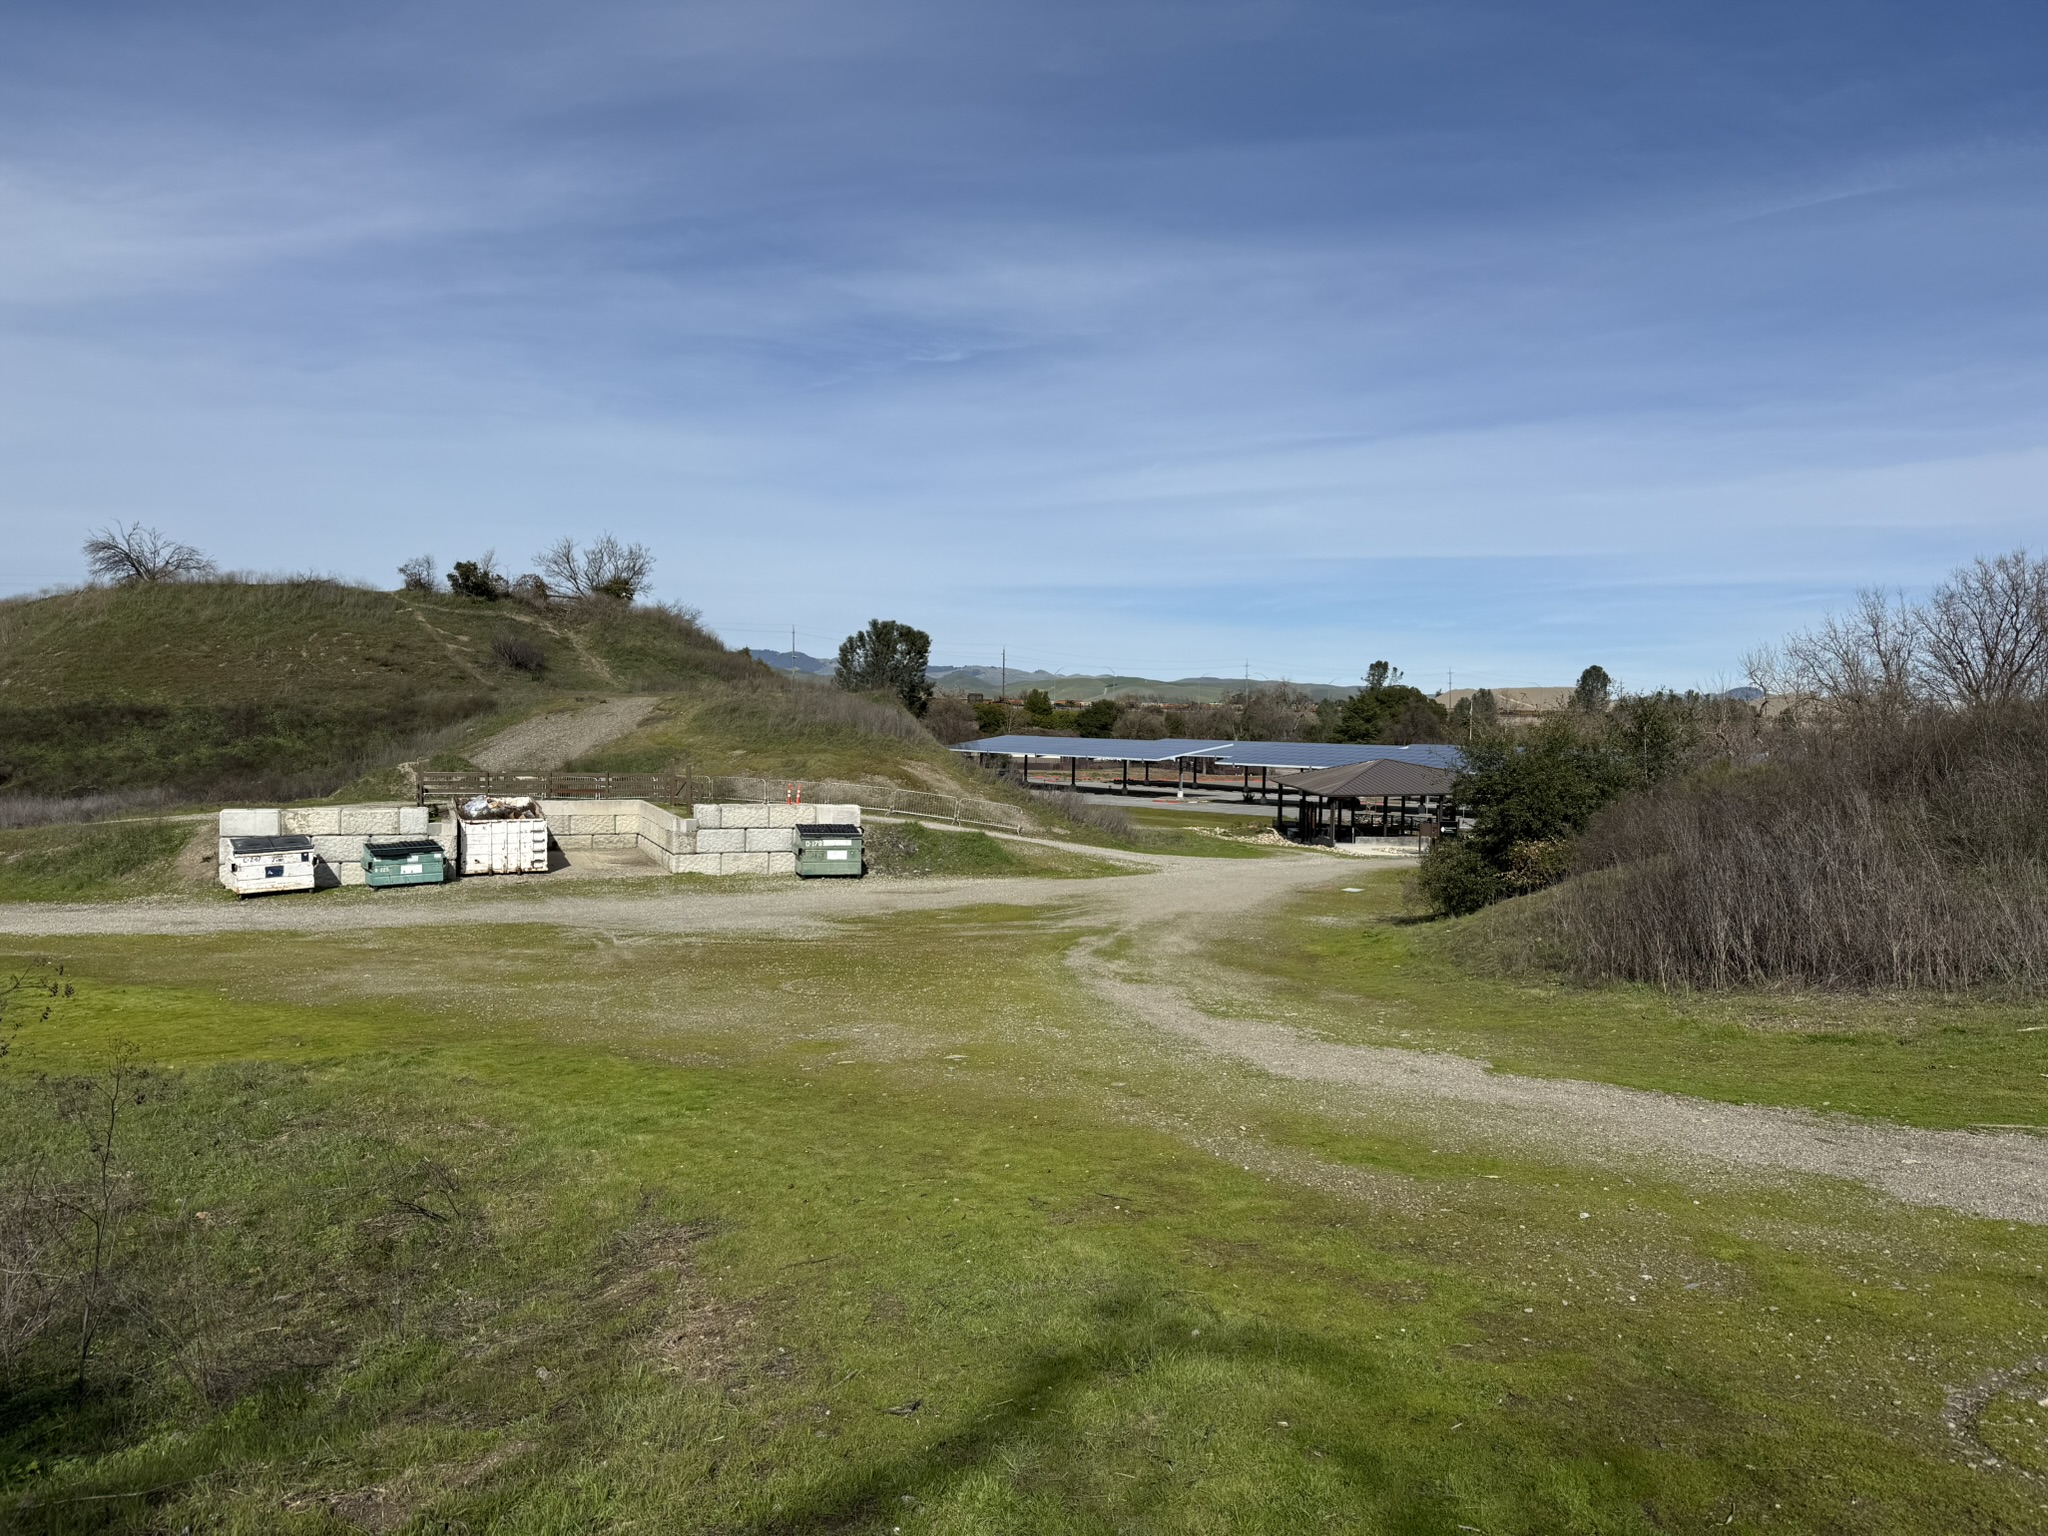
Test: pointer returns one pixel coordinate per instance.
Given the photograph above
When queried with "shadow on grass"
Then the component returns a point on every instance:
(1133, 1333)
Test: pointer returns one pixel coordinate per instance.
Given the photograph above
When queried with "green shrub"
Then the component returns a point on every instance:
(1456, 879)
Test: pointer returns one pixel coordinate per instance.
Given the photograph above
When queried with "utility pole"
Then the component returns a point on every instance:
(1005, 691)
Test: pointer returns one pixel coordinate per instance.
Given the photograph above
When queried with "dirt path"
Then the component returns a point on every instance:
(1173, 913)
(1997, 1175)
(550, 741)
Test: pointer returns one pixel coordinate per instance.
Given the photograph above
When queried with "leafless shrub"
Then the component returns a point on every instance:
(1913, 855)
(607, 568)
(417, 574)
(951, 719)
(33, 1238)
(522, 653)
(125, 553)
(530, 590)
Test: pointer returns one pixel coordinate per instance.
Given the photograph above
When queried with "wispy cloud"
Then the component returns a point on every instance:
(1495, 337)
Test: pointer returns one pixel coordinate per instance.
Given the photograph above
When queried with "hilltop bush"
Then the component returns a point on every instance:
(479, 579)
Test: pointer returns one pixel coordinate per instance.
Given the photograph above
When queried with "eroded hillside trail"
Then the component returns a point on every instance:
(552, 741)
(1144, 947)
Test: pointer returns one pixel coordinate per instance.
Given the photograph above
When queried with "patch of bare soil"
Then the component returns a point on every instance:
(550, 741)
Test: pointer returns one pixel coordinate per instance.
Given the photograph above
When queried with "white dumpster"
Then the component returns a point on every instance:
(501, 835)
(259, 866)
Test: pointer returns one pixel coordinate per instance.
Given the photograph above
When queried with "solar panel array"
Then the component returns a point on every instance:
(1289, 755)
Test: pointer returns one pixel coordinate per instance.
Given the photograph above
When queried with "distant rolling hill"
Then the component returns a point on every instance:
(1061, 685)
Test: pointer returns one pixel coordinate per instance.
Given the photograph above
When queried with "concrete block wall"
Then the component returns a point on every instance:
(718, 839)
(338, 832)
(736, 838)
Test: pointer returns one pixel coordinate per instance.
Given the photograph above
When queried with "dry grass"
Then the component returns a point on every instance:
(1909, 857)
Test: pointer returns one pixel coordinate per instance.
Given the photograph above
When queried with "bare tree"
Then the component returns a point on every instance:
(129, 554)
(1867, 659)
(417, 574)
(606, 569)
(1985, 632)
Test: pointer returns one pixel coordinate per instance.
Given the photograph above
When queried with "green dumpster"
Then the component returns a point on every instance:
(411, 861)
(829, 849)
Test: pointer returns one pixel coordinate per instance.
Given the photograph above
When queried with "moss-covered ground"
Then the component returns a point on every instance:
(537, 1230)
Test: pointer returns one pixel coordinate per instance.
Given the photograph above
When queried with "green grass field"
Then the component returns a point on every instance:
(793, 732)
(1367, 973)
(901, 1230)
(1185, 834)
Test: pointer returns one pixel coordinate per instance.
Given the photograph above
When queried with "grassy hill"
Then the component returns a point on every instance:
(211, 691)
(295, 687)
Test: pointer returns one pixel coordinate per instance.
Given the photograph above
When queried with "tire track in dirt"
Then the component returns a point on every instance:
(2002, 1176)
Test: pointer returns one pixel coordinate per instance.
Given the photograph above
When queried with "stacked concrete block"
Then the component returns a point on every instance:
(338, 831)
(718, 839)
(621, 824)
(748, 838)
(243, 824)
(827, 816)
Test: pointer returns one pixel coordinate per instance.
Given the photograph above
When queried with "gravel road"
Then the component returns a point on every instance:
(1173, 910)
(550, 741)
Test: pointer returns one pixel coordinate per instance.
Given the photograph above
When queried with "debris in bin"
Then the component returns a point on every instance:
(500, 808)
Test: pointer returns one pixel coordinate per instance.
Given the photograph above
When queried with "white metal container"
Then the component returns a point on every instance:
(261, 866)
(507, 836)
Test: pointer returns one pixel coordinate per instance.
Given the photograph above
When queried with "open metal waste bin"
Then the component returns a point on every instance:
(258, 866)
(404, 861)
(501, 835)
(829, 849)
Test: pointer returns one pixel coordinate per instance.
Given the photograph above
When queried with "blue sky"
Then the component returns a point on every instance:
(1155, 338)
